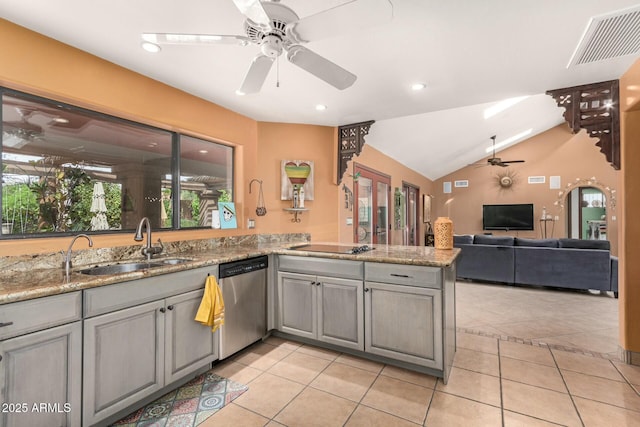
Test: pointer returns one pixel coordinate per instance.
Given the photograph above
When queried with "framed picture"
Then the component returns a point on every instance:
(426, 208)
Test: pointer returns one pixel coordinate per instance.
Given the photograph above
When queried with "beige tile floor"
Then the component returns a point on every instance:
(495, 381)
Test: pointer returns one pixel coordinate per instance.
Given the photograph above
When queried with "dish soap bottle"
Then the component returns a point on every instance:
(301, 197)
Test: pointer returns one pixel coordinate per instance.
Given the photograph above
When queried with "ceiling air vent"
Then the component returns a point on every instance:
(609, 36)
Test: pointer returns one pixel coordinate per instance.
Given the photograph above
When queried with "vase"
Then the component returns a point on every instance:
(443, 233)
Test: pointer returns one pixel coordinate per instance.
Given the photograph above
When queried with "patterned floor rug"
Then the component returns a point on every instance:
(187, 406)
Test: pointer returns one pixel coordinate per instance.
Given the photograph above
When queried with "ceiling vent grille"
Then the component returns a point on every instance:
(609, 36)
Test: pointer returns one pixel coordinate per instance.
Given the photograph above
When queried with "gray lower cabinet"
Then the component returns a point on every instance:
(323, 308)
(404, 323)
(123, 359)
(188, 345)
(41, 362)
(40, 374)
(131, 353)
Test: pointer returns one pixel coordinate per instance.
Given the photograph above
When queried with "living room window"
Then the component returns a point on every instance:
(67, 169)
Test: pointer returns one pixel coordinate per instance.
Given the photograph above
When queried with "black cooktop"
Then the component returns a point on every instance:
(333, 249)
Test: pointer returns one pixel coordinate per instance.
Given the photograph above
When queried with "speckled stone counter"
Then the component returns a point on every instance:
(23, 278)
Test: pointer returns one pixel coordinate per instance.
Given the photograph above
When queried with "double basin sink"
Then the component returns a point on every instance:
(128, 267)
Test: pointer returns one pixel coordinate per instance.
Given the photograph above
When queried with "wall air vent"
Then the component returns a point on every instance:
(609, 36)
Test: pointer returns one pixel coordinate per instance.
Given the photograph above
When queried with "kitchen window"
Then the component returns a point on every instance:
(67, 169)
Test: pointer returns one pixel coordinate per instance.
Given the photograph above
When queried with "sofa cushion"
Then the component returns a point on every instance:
(584, 244)
(463, 239)
(483, 239)
(539, 243)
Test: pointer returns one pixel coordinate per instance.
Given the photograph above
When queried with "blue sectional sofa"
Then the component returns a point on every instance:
(561, 263)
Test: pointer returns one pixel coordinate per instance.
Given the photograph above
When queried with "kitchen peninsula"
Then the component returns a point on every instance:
(394, 304)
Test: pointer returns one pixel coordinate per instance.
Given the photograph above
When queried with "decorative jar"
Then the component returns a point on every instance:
(443, 233)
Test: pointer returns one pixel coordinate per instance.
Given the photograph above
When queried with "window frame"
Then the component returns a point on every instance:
(175, 163)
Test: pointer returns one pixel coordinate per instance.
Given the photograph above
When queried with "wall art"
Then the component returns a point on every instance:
(296, 172)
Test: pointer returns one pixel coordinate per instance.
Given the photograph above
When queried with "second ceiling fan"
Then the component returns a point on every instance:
(276, 28)
(497, 161)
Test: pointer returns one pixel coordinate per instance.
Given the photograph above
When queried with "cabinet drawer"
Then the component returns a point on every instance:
(399, 274)
(40, 313)
(128, 294)
(321, 266)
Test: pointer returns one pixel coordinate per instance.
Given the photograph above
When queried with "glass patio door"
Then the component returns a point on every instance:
(372, 206)
(410, 235)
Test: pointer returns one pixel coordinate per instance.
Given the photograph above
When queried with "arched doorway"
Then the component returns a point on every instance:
(586, 213)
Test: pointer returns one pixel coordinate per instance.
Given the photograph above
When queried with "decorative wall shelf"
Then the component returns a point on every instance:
(295, 212)
(350, 143)
(595, 108)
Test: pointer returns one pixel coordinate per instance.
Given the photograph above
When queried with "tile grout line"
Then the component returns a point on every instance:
(573, 402)
(535, 343)
(501, 390)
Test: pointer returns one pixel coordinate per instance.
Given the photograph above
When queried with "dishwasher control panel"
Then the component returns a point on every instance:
(235, 268)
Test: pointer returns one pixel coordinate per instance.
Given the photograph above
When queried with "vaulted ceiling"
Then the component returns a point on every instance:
(470, 54)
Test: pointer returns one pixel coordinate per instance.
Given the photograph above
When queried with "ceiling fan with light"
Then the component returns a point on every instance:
(497, 161)
(276, 28)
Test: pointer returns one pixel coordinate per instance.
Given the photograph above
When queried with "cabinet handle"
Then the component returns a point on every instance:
(170, 307)
(366, 289)
(318, 283)
(5, 324)
(401, 275)
(0, 358)
(162, 310)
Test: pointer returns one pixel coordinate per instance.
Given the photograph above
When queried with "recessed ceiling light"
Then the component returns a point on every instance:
(203, 151)
(321, 107)
(61, 120)
(240, 93)
(150, 47)
(418, 86)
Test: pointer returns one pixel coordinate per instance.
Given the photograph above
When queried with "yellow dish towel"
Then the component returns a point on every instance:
(211, 310)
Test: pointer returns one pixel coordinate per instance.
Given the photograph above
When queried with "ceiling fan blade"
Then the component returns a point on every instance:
(254, 11)
(256, 75)
(513, 161)
(352, 16)
(193, 39)
(320, 67)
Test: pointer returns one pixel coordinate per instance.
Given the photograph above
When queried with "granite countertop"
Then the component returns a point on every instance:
(39, 282)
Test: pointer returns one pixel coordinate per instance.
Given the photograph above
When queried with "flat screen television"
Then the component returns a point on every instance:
(507, 217)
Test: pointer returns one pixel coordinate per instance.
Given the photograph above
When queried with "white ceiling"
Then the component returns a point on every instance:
(472, 54)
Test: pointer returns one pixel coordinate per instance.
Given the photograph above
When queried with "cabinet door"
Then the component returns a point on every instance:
(340, 312)
(42, 368)
(297, 304)
(404, 323)
(189, 345)
(123, 359)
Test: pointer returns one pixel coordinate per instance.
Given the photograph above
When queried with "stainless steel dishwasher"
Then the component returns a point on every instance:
(244, 290)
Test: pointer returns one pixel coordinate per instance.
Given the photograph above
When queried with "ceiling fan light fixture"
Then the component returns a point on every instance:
(150, 47)
(418, 86)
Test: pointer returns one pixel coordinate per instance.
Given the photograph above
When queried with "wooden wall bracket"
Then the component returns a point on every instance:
(350, 143)
(596, 108)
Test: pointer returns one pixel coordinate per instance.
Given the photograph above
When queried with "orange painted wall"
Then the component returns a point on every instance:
(48, 68)
(629, 208)
(374, 159)
(554, 152)
(277, 142)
